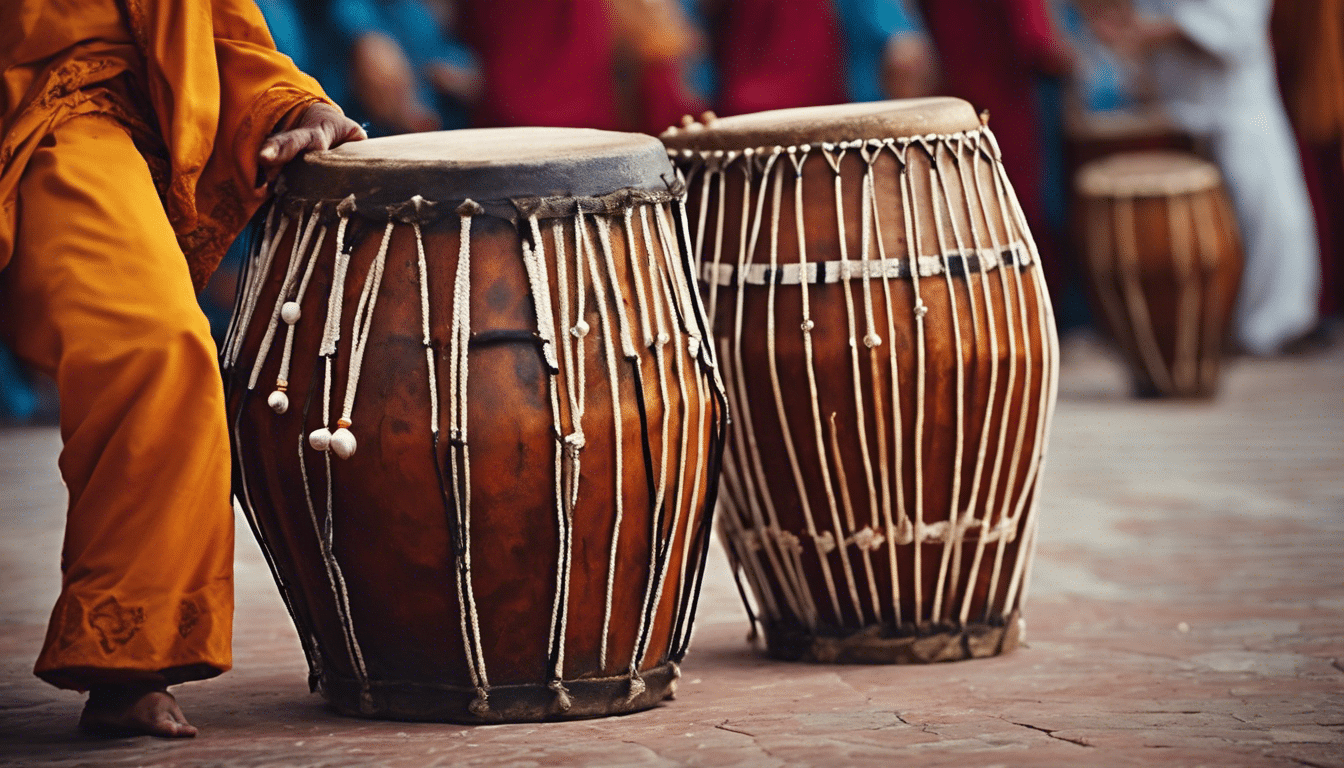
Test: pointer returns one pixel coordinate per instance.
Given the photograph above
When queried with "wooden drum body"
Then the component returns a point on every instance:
(1163, 265)
(887, 344)
(476, 430)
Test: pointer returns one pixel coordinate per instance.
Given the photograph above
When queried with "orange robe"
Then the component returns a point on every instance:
(127, 166)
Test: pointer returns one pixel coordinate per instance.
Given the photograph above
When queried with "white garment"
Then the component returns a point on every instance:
(1228, 95)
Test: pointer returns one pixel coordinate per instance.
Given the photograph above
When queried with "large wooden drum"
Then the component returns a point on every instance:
(476, 426)
(1163, 265)
(888, 348)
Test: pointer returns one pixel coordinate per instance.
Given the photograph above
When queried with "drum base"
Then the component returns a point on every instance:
(878, 645)
(507, 703)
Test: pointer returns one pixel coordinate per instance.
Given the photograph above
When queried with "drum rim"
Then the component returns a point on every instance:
(619, 162)
(936, 115)
(1108, 176)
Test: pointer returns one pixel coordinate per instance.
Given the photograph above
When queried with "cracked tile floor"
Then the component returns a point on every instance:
(1187, 608)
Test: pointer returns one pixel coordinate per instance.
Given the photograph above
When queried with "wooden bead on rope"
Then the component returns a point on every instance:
(278, 400)
(343, 440)
(290, 312)
(320, 439)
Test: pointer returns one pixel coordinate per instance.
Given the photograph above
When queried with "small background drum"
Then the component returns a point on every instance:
(1091, 136)
(1163, 265)
(476, 428)
(888, 349)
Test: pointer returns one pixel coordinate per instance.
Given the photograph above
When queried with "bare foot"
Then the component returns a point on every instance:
(116, 711)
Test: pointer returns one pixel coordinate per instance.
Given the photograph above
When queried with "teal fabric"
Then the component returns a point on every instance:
(866, 26)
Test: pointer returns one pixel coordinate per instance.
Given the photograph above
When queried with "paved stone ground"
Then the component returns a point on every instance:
(1187, 609)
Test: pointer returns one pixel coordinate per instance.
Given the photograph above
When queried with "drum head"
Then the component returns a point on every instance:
(1147, 174)
(483, 164)
(840, 122)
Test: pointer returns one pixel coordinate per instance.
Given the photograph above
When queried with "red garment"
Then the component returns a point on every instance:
(775, 54)
(664, 97)
(545, 62)
(991, 52)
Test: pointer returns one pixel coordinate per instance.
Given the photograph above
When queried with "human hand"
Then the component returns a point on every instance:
(462, 83)
(383, 82)
(321, 126)
(909, 67)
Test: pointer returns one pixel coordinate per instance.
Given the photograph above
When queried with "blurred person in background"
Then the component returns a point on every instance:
(657, 44)
(777, 54)
(393, 63)
(886, 53)
(992, 54)
(1213, 70)
(1308, 38)
(543, 62)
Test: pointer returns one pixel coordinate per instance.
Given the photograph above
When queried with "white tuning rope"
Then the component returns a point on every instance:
(893, 533)
(954, 501)
(573, 440)
(659, 345)
(320, 438)
(798, 159)
(699, 491)
(563, 510)
(618, 299)
(705, 177)
(662, 310)
(1046, 386)
(253, 260)
(880, 511)
(343, 442)
(871, 341)
(291, 313)
(609, 347)
(722, 175)
(427, 340)
(653, 589)
(791, 578)
(252, 289)
(679, 281)
(1004, 409)
(459, 343)
(753, 465)
(334, 576)
(667, 270)
(1045, 410)
(296, 252)
(1008, 520)
(534, 259)
(920, 310)
(642, 307)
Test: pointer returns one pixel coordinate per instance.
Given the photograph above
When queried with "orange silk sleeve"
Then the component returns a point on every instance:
(218, 87)
(261, 89)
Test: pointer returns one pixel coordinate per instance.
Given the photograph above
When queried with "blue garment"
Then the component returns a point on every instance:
(335, 25)
(287, 29)
(1102, 81)
(701, 77)
(866, 26)
(17, 400)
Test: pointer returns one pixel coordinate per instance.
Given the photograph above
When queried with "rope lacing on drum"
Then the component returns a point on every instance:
(278, 401)
(460, 465)
(961, 154)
